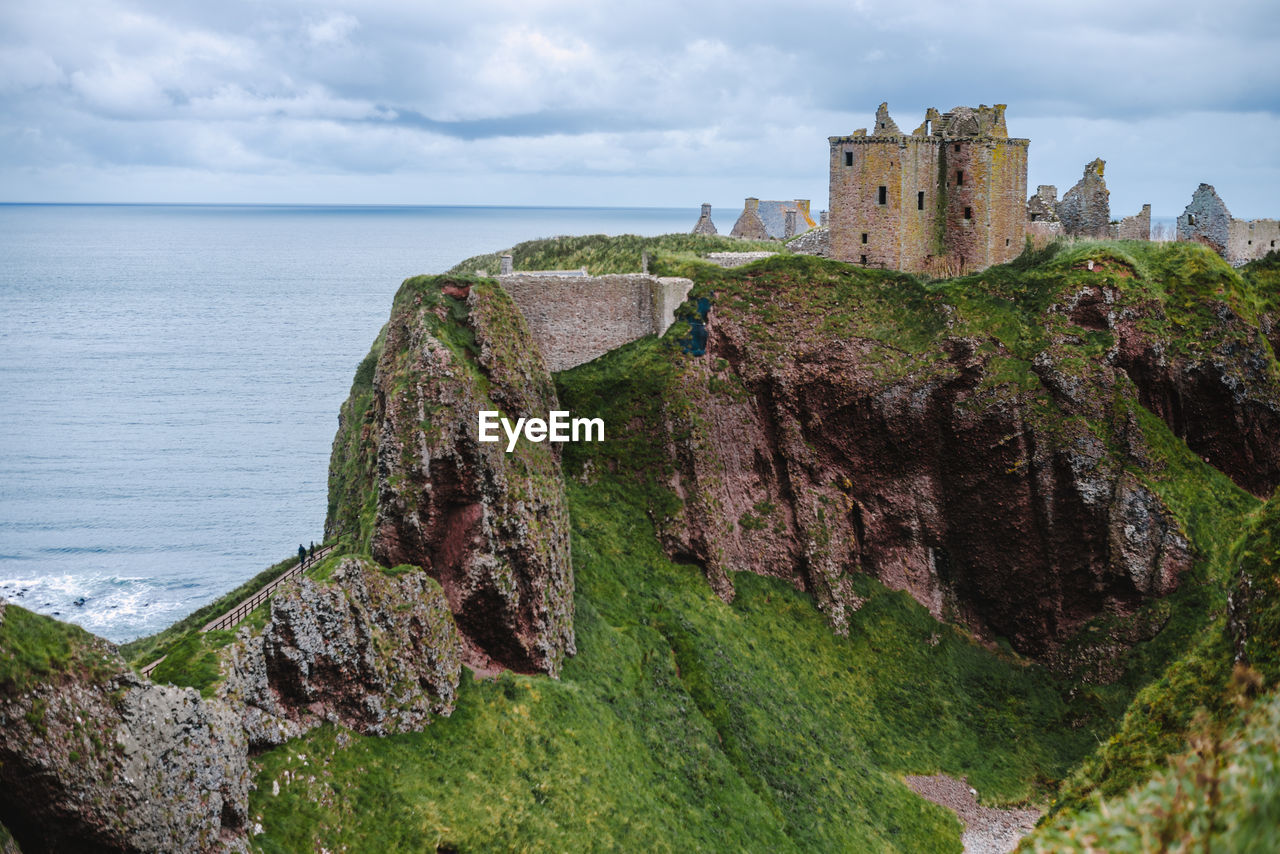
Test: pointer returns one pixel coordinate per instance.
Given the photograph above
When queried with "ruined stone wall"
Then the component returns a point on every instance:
(1043, 233)
(1136, 227)
(1251, 239)
(1085, 209)
(579, 318)
(1206, 219)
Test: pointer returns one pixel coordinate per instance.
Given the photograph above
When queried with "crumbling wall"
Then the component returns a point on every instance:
(1085, 209)
(1206, 219)
(1043, 233)
(1251, 239)
(1136, 227)
(1043, 206)
(578, 318)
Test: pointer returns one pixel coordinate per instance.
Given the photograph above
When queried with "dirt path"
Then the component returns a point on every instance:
(986, 830)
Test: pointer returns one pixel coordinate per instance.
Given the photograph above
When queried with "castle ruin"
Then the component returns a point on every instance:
(1084, 211)
(948, 197)
(1207, 220)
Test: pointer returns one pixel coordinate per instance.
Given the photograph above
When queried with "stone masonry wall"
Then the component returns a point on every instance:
(954, 199)
(1250, 239)
(1136, 227)
(578, 318)
(1085, 209)
(1206, 219)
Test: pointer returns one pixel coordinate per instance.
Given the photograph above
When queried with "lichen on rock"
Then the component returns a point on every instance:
(370, 651)
(490, 526)
(93, 758)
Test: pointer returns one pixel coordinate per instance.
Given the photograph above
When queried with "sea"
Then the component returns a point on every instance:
(170, 378)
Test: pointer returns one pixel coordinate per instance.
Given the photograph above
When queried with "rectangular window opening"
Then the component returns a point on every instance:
(864, 237)
(848, 158)
(864, 260)
(1006, 241)
(957, 148)
(882, 195)
(968, 213)
(920, 200)
(959, 177)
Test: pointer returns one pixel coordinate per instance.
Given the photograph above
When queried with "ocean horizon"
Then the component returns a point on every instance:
(173, 374)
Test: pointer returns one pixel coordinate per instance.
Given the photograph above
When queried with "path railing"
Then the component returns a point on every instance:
(231, 619)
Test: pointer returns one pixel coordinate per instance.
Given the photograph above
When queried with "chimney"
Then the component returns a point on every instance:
(789, 229)
(751, 204)
(507, 265)
(824, 218)
(706, 209)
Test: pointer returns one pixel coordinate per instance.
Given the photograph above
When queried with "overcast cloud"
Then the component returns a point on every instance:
(575, 103)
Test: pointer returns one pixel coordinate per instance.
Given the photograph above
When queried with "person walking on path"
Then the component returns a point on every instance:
(302, 553)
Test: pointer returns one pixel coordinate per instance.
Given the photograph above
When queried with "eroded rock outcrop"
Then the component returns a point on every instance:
(92, 758)
(1010, 493)
(410, 472)
(374, 652)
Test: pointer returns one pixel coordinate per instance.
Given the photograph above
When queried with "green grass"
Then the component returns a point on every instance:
(685, 723)
(143, 651)
(35, 648)
(601, 254)
(1222, 794)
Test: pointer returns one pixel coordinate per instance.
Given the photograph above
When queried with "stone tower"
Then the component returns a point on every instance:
(948, 197)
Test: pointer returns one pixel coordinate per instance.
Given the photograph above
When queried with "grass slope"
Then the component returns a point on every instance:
(688, 724)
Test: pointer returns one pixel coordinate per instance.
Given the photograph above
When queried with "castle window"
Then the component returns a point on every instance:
(920, 200)
(1191, 219)
(882, 196)
(957, 148)
(968, 213)
(1033, 217)
(1006, 241)
(959, 177)
(864, 260)
(864, 237)
(1273, 244)
(848, 158)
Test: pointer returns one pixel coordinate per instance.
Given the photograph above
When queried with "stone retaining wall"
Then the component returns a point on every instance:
(578, 318)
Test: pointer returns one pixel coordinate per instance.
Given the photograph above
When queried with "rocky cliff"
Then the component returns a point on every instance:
(410, 474)
(979, 450)
(369, 651)
(92, 758)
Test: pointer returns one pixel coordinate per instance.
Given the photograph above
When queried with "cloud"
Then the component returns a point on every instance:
(718, 94)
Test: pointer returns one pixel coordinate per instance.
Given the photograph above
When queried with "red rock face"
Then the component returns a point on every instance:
(966, 492)
(491, 527)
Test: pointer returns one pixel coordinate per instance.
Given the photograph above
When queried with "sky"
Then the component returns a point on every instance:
(656, 103)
